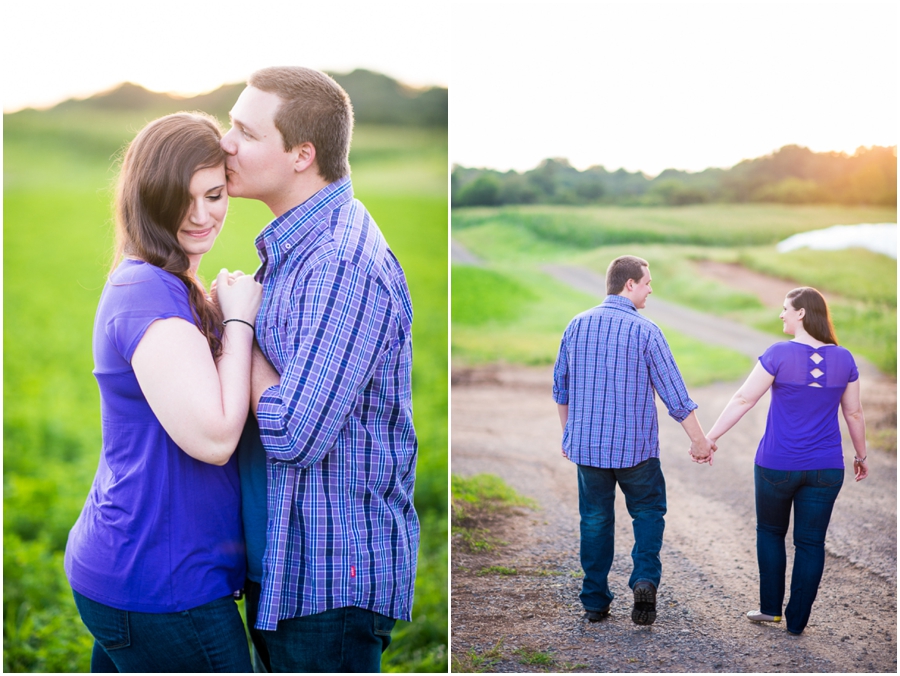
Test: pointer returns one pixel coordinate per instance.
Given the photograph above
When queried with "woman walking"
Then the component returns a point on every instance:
(799, 463)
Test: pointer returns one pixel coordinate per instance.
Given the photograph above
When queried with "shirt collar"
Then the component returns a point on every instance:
(620, 302)
(293, 226)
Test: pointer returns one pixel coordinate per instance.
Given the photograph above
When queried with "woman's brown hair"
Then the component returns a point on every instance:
(153, 198)
(817, 321)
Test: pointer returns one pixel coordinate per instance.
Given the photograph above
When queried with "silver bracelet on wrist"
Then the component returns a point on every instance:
(860, 460)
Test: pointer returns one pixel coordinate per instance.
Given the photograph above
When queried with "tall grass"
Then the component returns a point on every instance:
(523, 316)
(713, 224)
(57, 248)
(675, 240)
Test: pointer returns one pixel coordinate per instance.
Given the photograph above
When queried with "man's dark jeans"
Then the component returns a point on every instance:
(206, 639)
(341, 640)
(645, 497)
(812, 494)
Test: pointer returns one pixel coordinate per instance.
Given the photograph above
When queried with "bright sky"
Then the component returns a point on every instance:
(54, 50)
(647, 86)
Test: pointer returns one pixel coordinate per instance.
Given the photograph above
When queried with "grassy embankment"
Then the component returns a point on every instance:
(525, 315)
(58, 242)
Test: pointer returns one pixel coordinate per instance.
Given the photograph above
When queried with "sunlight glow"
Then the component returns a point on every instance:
(649, 86)
(191, 48)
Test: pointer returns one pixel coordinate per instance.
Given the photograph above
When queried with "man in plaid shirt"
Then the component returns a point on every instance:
(611, 360)
(328, 462)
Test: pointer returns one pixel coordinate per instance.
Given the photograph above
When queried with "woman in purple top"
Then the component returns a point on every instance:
(157, 554)
(800, 462)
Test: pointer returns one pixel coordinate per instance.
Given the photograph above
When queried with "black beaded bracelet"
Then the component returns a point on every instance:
(241, 321)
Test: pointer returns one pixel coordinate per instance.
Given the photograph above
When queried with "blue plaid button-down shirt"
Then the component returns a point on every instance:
(610, 361)
(335, 322)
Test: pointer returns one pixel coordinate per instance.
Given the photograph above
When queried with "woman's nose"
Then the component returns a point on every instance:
(199, 215)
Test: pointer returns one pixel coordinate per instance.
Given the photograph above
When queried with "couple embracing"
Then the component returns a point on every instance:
(611, 360)
(257, 439)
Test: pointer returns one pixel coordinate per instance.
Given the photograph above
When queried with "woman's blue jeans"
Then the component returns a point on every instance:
(645, 497)
(812, 494)
(208, 638)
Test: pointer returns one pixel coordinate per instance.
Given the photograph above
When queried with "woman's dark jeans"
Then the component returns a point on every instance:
(208, 638)
(812, 494)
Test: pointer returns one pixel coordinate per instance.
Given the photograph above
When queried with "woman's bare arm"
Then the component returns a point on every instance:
(757, 383)
(851, 407)
(201, 404)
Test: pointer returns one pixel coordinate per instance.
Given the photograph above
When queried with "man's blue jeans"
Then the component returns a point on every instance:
(208, 638)
(645, 497)
(812, 494)
(348, 640)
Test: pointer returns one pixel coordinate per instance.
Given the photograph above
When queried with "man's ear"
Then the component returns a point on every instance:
(304, 156)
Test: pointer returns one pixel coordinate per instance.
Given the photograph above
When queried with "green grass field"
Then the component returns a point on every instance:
(517, 241)
(57, 249)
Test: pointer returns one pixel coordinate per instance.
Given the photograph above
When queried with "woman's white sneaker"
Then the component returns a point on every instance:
(756, 616)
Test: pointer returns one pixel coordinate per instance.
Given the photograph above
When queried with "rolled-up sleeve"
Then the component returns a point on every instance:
(343, 325)
(666, 377)
(561, 375)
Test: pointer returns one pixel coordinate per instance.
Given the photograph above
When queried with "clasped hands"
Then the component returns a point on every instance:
(703, 452)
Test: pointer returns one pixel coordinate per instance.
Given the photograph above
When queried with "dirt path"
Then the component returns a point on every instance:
(504, 422)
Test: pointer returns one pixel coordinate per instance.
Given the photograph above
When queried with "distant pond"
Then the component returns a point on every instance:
(878, 237)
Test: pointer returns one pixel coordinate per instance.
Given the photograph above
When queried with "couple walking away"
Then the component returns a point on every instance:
(611, 359)
(257, 439)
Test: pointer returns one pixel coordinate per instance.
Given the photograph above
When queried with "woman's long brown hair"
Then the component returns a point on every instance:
(153, 198)
(817, 321)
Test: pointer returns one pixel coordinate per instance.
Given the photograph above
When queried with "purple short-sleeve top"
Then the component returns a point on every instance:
(802, 430)
(160, 532)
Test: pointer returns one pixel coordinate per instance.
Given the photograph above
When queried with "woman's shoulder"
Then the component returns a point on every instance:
(842, 353)
(137, 285)
(134, 276)
(780, 348)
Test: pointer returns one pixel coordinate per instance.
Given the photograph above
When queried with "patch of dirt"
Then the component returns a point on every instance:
(770, 290)
(505, 422)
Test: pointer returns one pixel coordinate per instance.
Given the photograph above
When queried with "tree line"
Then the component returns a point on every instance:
(791, 175)
(376, 98)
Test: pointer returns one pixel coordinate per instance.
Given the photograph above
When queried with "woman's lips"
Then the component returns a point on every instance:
(199, 234)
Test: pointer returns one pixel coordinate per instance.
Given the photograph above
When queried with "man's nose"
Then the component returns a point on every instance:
(227, 144)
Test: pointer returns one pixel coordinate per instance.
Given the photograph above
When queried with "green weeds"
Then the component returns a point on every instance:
(474, 662)
(478, 539)
(484, 492)
(533, 657)
(496, 570)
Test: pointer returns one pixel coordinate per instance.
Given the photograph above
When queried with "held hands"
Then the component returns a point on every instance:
(238, 295)
(703, 452)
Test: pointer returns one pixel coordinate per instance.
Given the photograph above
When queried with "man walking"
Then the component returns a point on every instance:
(610, 361)
(327, 477)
